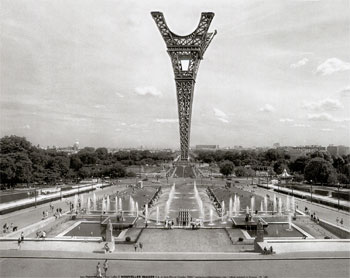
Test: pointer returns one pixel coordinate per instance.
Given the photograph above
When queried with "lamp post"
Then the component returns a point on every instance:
(311, 189)
(35, 194)
(338, 194)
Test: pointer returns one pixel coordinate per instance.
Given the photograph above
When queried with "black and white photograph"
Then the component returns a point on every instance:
(175, 138)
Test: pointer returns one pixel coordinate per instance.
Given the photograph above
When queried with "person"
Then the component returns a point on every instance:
(19, 242)
(271, 250)
(105, 267)
(106, 247)
(98, 270)
(22, 236)
(135, 246)
(141, 246)
(337, 220)
(265, 250)
(341, 221)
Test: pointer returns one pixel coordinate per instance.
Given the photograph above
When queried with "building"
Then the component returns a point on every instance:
(207, 147)
(338, 150)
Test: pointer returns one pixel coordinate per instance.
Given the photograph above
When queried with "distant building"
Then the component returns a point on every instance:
(295, 152)
(338, 150)
(207, 147)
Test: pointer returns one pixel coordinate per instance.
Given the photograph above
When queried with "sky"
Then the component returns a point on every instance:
(98, 72)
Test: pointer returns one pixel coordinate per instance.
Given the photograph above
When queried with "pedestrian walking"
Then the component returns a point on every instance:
(141, 246)
(98, 270)
(337, 220)
(19, 242)
(105, 267)
(22, 236)
(341, 221)
(135, 246)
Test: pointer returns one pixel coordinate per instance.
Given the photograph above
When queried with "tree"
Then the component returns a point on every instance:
(279, 166)
(319, 170)
(226, 168)
(298, 165)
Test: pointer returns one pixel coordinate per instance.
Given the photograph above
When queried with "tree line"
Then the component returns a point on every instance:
(316, 167)
(21, 162)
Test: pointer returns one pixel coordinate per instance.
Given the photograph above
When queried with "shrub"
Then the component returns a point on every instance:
(240, 239)
(127, 239)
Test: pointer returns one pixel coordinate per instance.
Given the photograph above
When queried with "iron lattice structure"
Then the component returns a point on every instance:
(185, 53)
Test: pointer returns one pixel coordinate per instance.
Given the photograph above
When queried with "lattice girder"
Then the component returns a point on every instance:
(191, 49)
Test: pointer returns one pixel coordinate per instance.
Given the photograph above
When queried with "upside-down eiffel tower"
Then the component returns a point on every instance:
(185, 53)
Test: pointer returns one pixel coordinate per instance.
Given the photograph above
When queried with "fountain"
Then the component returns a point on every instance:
(168, 202)
(289, 222)
(238, 206)
(131, 205)
(157, 216)
(280, 206)
(223, 212)
(252, 204)
(230, 208)
(274, 204)
(211, 217)
(120, 204)
(103, 205)
(288, 204)
(293, 204)
(261, 206)
(199, 201)
(137, 209)
(116, 204)
(75, 201)
(146, 213)
(265, 203)
(108, 204)
(82, 201)
(94, 201)
(247, 210)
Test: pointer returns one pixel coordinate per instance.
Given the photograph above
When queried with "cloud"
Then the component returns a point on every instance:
(286, 120)
(99, 106)
(326, 129)
(300, 63)
(325, 117)
(323, 105)
(267, 108)
(221, 115)
(331, 66)
(165, 121)
(119, 95)
(301, 125)
(26, 126)
(148, 91)
(345, 92)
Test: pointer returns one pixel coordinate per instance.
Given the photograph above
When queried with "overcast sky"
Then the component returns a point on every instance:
(98, 72)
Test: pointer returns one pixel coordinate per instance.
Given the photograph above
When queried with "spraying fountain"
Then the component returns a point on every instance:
(108, 204)
(116, 204)
(157, 216)
(279, 206)
(223, 213)
(146, 213)
(211, 217)
(94, 202)
(120, 203)
(137, 209)
(274, 204)
(75, 201)
(252, 204)
(230, 208)
(265, 203)
(199, 201)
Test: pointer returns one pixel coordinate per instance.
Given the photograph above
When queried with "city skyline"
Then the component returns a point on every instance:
(276, 72)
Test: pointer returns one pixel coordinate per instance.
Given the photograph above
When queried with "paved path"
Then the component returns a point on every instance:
(232, 265)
